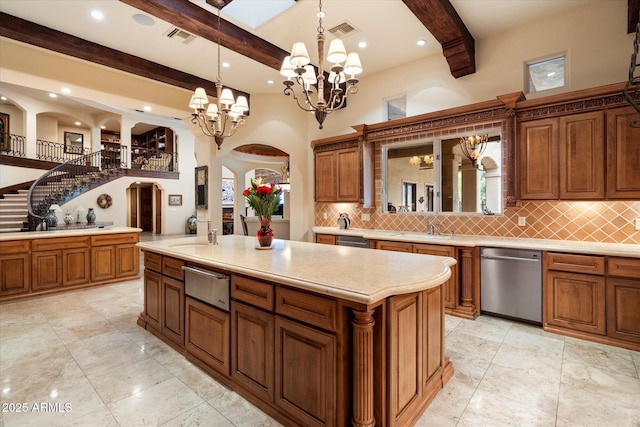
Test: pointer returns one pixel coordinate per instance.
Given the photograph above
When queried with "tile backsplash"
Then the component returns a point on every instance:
(610, 221)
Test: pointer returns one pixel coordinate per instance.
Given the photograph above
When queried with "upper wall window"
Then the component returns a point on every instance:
(545, 74)
(396, 108)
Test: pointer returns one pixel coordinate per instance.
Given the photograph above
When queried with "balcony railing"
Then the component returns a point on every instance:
(56, 152)
(12, 145)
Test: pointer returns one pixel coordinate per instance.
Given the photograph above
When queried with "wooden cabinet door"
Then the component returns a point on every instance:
(623, 154)
(623, 309)
(348, 175)
(127, 261)
(207, 335)
(152, 298)
(252, 349)
(15, 274)
(46, 270)
(575, 301)
(450, 287)
(103, 263)
(582, 156)
(173, 310)
(405, 332)
(432, 339)
(76, 266)
(538, 159)
(326, 177)
(306, 369)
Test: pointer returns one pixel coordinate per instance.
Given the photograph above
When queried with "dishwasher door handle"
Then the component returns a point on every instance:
(509, 258)
(205, 273)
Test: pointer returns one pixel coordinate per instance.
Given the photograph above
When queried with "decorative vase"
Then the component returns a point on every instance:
(52, 219)
(91, 216)
(265, 233)
(68, 218)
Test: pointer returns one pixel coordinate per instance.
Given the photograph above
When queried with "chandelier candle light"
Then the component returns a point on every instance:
(213, 119)
(297, 67)
(473, 146)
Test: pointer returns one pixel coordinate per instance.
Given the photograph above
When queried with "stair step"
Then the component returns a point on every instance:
(10, 230)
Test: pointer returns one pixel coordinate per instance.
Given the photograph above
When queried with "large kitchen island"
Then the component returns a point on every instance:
(314, 335)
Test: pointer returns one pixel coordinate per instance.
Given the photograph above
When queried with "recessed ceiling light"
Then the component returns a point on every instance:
(225, 64)
(421, 42)
(362, 45)
(103, 127)
(53, 95)
(65, 90)
(78, 123)
(4, 98)
(270, 82)
(97, 15)
(147, 108)
(143, 19)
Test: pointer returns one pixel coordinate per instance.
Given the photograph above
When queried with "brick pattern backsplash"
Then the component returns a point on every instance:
(611, 222)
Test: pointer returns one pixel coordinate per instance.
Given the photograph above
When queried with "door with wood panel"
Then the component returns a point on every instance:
(146, 208)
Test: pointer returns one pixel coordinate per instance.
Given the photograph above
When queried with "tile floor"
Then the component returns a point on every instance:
(82, 355)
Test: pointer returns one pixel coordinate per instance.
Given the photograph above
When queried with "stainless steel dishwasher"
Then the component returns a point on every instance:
(511, 283)
(207, 286)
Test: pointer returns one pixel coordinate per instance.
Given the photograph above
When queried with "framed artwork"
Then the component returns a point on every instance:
(175, 199)
(201, 187)
(4, 131)
(73, 142)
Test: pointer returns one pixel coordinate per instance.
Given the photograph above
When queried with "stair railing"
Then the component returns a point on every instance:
(12, 145)
(69, 180)
(57, 152)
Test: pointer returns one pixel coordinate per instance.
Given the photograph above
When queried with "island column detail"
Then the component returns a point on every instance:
(363, 387)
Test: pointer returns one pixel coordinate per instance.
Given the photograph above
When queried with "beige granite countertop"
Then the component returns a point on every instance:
(595, 248)
(21, 235)
(355, 274)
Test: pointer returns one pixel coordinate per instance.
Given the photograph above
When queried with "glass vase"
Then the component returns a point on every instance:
(265, 233)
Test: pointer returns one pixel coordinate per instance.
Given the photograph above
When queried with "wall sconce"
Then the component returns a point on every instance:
(423, 162)
(473, 146)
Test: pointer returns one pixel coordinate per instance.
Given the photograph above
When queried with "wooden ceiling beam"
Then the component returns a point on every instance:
(442, 20)
(197, 21)
(37, 35)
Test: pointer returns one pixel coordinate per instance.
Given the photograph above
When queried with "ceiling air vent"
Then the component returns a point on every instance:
(343, 30)
(176, 33)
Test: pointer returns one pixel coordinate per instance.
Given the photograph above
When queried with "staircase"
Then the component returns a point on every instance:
(13, 211)
(68, 181)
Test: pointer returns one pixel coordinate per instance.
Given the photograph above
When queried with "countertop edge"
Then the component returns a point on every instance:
(574, 246)
(25, 235)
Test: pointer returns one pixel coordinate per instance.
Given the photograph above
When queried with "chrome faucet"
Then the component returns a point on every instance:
(433, 228)
(212, 234)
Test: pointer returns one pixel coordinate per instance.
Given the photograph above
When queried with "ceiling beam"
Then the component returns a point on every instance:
(37, 35)
(202, 23)
(442, 20)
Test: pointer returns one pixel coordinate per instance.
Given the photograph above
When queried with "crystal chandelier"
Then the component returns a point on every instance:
(213, 120)
(473, 146)
(297, 67)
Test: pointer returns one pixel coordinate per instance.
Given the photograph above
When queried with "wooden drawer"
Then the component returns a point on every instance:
(394, 246)
(253, 292)
(14, 247)
(60, 243)
(327, 239)
(311, 309)
(173, 268)
(153, 261)
(437, 250)
(575, 263)
(624, 267)
(114, 239)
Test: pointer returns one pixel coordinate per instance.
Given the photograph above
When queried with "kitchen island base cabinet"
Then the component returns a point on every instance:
(305, 357)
